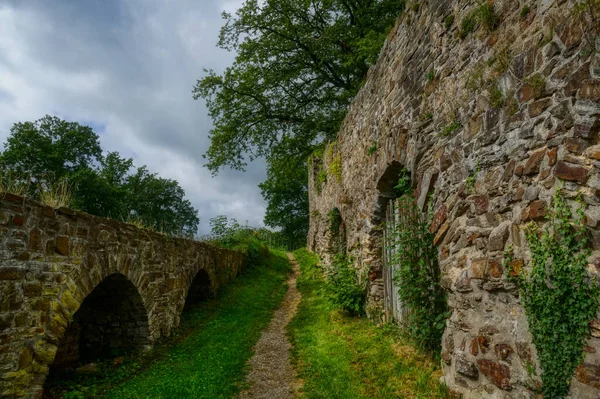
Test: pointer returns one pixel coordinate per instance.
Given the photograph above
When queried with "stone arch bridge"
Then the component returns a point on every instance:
(75, 287)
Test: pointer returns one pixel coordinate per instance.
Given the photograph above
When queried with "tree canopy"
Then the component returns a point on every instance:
(299, 63)
(43, 153)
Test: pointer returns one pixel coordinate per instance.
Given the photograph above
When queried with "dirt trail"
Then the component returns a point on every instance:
(272, 375)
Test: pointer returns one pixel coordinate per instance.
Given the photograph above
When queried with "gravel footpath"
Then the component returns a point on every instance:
(271, 375)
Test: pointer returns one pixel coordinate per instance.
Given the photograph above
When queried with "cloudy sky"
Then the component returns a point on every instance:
(127, 68)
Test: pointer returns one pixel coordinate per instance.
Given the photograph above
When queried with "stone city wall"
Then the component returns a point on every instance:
(489, 123)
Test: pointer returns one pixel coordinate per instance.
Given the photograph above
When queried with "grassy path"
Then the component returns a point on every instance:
(340, 357)
(208, 355)
(272, 374)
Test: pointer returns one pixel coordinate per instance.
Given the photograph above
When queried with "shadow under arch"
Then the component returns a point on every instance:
(111, 321)
(201, 289)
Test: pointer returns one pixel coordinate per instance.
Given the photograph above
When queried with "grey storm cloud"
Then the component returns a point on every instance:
(127, 69)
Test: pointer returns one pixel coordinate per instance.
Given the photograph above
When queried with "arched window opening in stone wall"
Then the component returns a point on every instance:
(111, 321)
(200, 289)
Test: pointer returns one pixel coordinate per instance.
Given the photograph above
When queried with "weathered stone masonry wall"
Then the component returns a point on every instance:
(541, 133)
(51, 260)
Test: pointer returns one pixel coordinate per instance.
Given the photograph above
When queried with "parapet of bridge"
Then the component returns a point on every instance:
(75, 287)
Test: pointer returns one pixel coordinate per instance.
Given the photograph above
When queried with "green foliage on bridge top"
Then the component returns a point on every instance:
(338, 356)
(254, 242)
(63, 164)
(206, 357)
(299, 64)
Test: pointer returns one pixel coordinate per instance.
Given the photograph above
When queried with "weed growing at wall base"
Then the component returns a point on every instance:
(558, 295)
(343, 357)
(345, 289)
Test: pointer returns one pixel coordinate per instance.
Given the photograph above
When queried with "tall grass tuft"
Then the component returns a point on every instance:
(10, 184)
(57, 195)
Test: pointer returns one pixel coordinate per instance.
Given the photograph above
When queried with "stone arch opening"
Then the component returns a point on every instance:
(337, 232)
(386, 187)
(393, 183)
(111, 321)
(200, 290)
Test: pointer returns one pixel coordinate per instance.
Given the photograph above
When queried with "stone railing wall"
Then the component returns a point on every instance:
(51, 260)
(489, 126)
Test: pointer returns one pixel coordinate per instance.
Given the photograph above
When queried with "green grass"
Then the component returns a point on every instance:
(207, 355)
(338, 356)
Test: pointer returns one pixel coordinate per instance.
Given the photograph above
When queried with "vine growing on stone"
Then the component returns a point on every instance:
(558, 295)
(417, 275)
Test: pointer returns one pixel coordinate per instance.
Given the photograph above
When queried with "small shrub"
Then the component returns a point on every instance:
(502, 59)
(525, 12)
(475, 78)
(255, 251)
(448, 21)
(345, 289)
(484, 14)
(450, 128)
(467, 26)
(536, 81)
(471, 180)
(425, 116)
(496, 96)
(372, 149)
(487, 15)
(431, 75)
(404, 184)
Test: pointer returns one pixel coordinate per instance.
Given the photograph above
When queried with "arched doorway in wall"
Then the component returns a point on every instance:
(394, 183)
(200, 290)
(111, 321)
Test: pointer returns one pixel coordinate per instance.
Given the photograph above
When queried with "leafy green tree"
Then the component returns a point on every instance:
(160, 203)
(286, 192)
(299, 64)
(50, 149)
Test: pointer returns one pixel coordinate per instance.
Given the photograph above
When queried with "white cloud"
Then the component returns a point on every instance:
(128, 66)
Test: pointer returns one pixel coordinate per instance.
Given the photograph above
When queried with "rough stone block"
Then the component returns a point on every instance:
(62, 245)
(588, 374)
(12, 273)
(498, 237)
(590, 90)
(497, 373)
(532, 165)
(465, 367)
(570, 172)
(503, 351)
